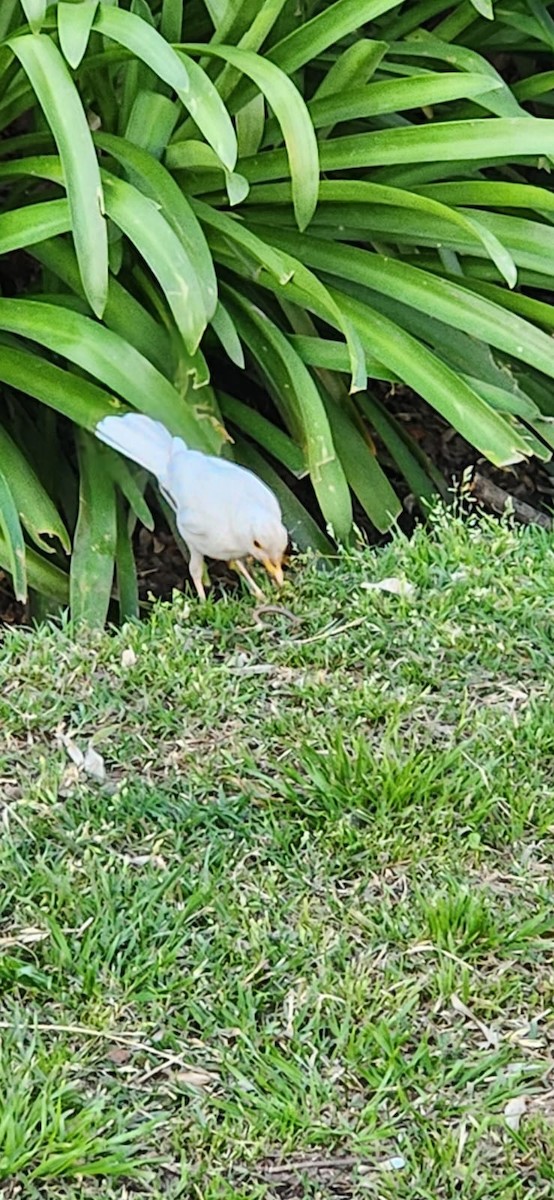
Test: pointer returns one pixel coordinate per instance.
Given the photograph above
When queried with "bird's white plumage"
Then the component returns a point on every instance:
(222, 510)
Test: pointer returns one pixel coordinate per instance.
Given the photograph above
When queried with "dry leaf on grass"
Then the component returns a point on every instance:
(394, 585)
(128, 657)
(90, 763)
(514, 1111)
(75, 754)
(93, 765)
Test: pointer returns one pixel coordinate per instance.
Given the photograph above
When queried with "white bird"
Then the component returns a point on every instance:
(222, 511)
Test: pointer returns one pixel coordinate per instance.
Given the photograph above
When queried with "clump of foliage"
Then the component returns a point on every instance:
(233, 215)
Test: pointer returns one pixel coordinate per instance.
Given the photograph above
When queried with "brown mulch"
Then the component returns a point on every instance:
(531, 482)
(11, 613)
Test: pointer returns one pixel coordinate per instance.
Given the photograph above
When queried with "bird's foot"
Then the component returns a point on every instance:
(240, 568)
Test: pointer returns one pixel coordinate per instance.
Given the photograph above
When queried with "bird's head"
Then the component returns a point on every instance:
(268, 544)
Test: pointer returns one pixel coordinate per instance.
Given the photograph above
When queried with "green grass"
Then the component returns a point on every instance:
(306, 926)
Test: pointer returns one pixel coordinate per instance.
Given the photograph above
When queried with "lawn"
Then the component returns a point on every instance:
(299, 941)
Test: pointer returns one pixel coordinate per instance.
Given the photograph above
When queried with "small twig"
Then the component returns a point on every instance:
(313, 1164)
(130, 1040)
(503, 502)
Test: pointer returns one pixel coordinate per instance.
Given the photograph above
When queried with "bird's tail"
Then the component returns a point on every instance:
(145, 441)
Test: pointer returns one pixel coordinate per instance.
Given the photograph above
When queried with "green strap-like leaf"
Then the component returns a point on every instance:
(440, 298)
(250, 121)
(131, 484)
(421, 476)
(254, 247)
(209, 113)
(449, 141)
(42, 576)
(298, 399)
(35, 11)
(333, 356)
(363, 472)
(172, 20)
(335, 22)
(452, 397)
(151, 122)
(491, 194)
(156, 182)
(36, 510)
(292, 115)
(195, 91)
(34, 223)
(342, 203)
(143, 40)
(393, 95)
(123, 313)
(62, 107)
(94, 546)
(141, 220)
(74, 26)
(265, 433)
(224, 328)
(284, 267)
(351, 70)
(311, 286)
(10, 527)
(415, 364)
(250, 36)
(536, 311)
(422, 44)
(83, 402)
(7, 12)
(231, 17)
(127, 583)
(103, 355)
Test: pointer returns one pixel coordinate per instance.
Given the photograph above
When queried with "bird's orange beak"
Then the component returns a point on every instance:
(275, 570)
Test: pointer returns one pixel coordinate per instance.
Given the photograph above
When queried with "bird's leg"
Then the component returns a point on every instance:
(196, 569)
(239, 566)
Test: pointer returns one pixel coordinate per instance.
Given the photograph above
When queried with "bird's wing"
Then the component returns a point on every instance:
(194, 473)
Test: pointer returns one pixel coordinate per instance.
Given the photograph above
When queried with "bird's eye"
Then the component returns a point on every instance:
(257, 544)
